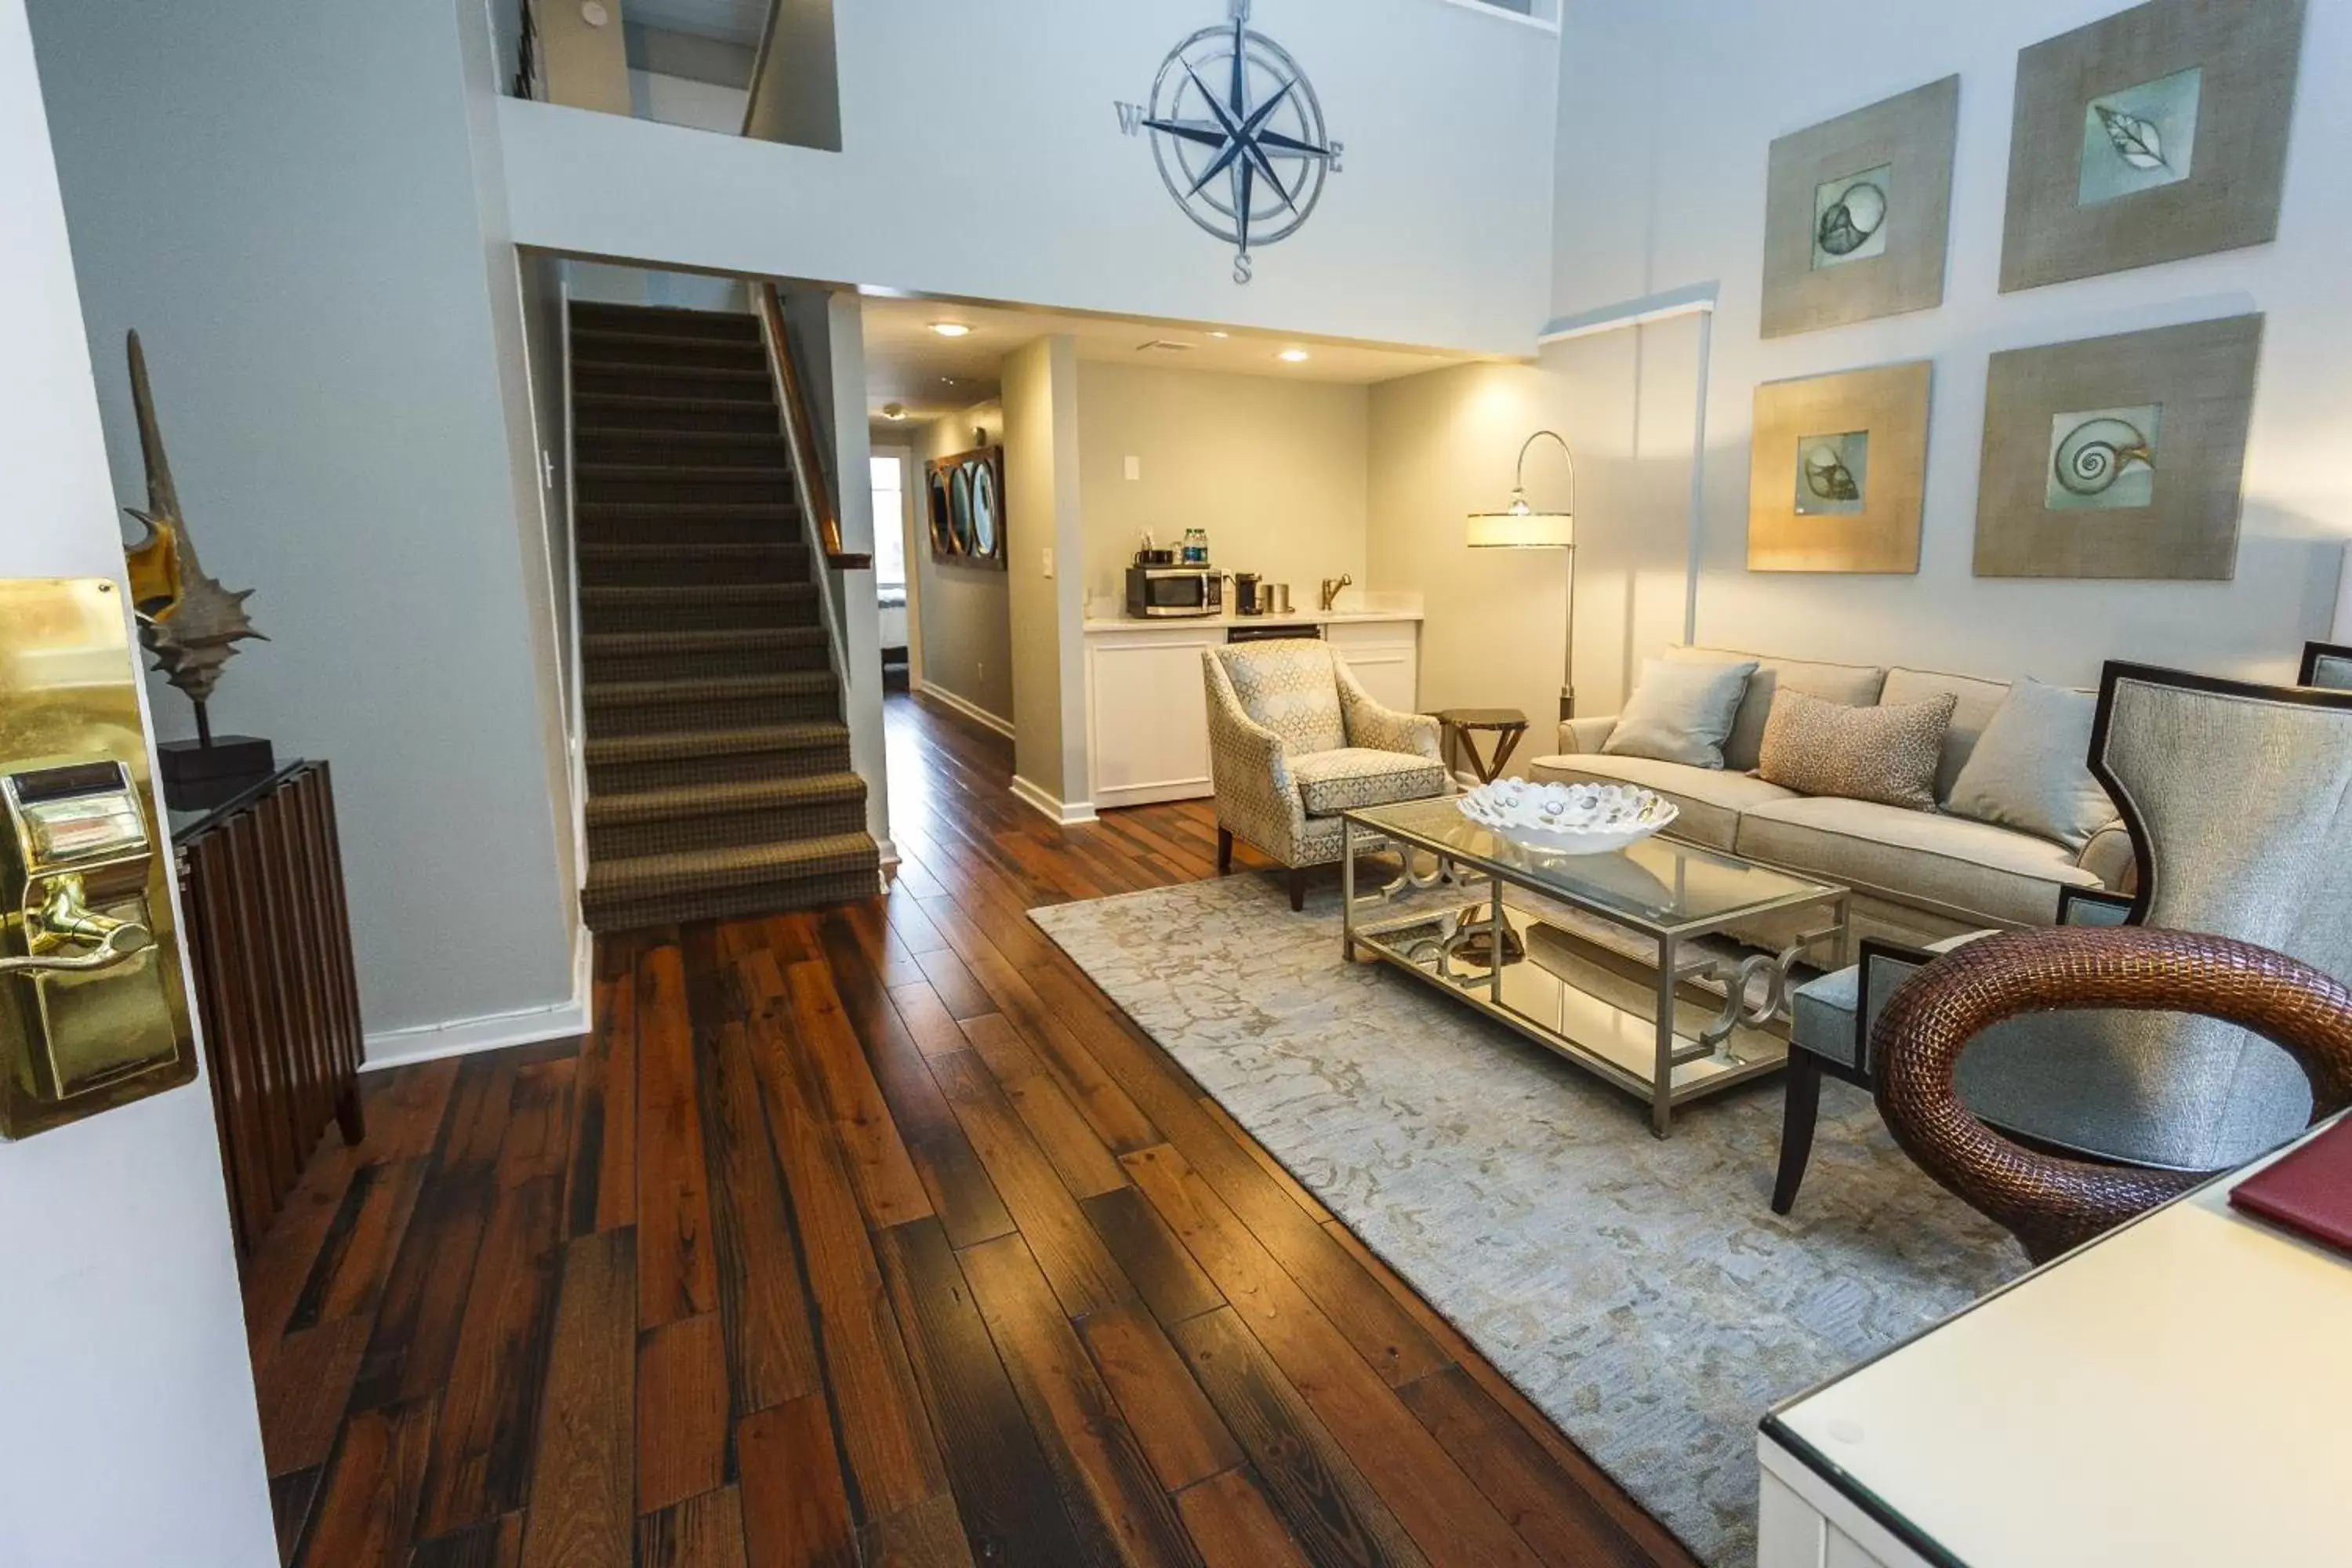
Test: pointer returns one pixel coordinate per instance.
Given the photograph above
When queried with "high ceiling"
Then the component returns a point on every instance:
(734, 21)
(930, 376)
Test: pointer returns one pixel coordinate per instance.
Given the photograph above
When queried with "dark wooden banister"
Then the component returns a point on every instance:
(800, 426)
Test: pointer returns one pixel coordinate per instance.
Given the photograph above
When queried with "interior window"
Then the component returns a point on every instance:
(889, 524)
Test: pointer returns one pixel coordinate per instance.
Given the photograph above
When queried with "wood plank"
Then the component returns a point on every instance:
(704, 1531)
(1086, 1440)
(1087, 1168)
(1308, 1203)
(581, 1511)
(1231, 1522)
(928, 1019)
(927, 1535)
(885, 1433)
(1564, 1524)
(956, 989)
(303, 1389)
(770, 1348)
(1006, 1494)
(1436, 1503)
(348, 1278)
(416, 1331)
(1152, 1258)
(1165, 1409)
(796, 1510)
(677, 1276)
(682, 1416)
(367, 1507)
(601, 1188)
(1330, 1506)
(481, 1453)
(538, 1144)
(887, 1188)
(1084, 1275)
(494, 1543)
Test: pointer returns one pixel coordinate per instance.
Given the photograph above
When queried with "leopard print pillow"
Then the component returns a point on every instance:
(1884, 754)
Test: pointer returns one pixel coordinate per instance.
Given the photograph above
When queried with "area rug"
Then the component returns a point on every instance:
(1641, 1292)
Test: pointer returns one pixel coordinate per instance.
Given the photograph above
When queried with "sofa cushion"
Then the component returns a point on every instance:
(1885, 753)
(1972, 869)
(1680, 712)
(1979, 700)
(1856, 685)
(2030, 769)
(1288, 687)
(1710, 799)
(1351, 776)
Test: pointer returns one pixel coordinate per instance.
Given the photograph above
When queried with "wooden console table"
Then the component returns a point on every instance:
(269, 949)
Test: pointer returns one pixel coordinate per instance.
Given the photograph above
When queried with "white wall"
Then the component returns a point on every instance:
(1275, 469)
(127, 1424)
(1001, 174)
(680, 100)
(324, 295)
(1667, 109)
(1041, 509)
(966, 610)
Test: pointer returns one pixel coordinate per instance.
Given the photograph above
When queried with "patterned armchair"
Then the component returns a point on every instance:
(1293, 740)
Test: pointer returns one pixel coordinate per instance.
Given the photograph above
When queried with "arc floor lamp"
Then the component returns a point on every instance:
(1520, 527)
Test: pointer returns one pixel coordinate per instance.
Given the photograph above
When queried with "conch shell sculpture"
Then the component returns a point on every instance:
(187, 619)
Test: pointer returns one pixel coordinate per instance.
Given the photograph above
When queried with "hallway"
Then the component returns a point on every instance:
(873, 1234)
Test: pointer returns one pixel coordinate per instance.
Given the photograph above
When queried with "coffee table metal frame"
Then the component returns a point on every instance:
(1742, 1058)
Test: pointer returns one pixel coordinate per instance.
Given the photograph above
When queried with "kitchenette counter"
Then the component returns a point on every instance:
(1118, 621)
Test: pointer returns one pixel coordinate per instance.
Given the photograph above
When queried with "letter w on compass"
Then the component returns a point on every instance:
(1238, 135)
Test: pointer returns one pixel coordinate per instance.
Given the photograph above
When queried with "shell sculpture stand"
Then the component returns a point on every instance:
(187, 619)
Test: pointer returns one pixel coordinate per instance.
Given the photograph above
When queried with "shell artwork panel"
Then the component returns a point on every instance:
(2141, 139)
(1850, 217)
(1832, 474)
(2104, 459)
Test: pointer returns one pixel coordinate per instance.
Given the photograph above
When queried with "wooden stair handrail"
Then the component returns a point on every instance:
(800, 426)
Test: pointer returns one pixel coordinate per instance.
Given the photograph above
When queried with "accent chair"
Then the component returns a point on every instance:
(2238, 799)
(1294, 740)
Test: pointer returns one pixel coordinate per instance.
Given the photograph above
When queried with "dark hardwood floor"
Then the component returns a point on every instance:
(874, 1235)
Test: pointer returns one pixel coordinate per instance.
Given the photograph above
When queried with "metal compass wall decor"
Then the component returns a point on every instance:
(1238, 135)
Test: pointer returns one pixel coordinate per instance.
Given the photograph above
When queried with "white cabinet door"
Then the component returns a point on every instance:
(1385, 657)
(1148, 712)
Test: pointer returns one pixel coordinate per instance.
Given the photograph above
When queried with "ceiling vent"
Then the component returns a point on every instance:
(1164, 345)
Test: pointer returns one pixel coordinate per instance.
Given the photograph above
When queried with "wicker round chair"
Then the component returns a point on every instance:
(2048, 1202)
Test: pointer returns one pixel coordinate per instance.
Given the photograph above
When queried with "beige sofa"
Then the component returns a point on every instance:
(1917, 875)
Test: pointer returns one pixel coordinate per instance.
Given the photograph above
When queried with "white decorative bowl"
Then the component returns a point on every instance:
(1570, 819)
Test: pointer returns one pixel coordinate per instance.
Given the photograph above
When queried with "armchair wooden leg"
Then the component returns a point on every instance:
(1224, 852)
(1298, 888)
(1796, 1127)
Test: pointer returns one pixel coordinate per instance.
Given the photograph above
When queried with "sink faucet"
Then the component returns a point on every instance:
(1332, 589)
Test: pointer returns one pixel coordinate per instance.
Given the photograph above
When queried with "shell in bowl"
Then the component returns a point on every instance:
(1572, 818)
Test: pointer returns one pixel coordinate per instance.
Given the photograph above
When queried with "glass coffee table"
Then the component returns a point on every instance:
(1635, 1003)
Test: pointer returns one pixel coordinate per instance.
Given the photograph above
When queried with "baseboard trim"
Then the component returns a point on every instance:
(1067, 813)
(496, 1031)
(969, 710)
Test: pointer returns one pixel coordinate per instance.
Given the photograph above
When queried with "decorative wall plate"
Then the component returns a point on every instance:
(935, 489)
(987, 538)
(960, 510)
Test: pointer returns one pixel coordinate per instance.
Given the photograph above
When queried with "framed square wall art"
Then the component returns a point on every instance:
(2119, 457)
(2158, 133)
(1837, 471)
(1859, 212)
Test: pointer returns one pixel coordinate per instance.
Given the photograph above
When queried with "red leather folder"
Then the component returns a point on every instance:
(2309, 1191)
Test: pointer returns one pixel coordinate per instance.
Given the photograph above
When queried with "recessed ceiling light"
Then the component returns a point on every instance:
(952, 329)
(947, 381)
(1292, 356)
(894, 411)
(1220, 334)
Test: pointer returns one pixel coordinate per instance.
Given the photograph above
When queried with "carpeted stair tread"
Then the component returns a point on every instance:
(600, 317)
(615, 407)
(612, 694)
(781, 513)
(732, 551)
(685, 473)
(610, 338)
(589, 434)
(726, 640)
(808, 735)
(712, 799)
(752, 376)
(642, 874)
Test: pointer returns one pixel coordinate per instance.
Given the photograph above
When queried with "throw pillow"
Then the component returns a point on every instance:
(1680, 712)
(2031, 768)
(1882, 755)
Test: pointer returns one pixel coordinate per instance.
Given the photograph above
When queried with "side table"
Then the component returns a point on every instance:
(1460, 726)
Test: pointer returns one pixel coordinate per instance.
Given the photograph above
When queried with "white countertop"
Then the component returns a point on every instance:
(2173, 1394)
(1300, 615)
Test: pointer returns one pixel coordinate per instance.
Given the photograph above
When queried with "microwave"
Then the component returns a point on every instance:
(1154, 592)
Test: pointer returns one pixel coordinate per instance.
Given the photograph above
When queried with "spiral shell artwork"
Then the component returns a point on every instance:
(1827, 476)
(2103, 458)
(1832, 472)
(1850, 217)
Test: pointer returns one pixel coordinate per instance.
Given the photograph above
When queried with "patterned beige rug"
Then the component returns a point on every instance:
(1642, 1293)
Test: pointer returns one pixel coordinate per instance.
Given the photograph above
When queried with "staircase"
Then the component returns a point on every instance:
(719, 775)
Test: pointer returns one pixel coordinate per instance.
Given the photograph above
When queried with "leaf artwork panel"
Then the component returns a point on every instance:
(2104, 459)
(1832, 474)
(2141, 139)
